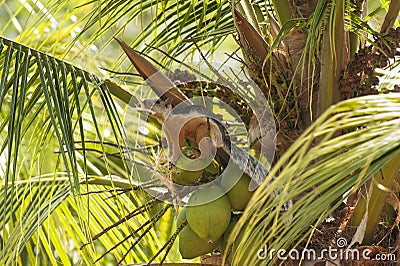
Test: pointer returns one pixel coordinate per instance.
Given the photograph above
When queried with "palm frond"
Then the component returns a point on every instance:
(175, 24)
(318, 170)
(26, 211)
(47, 108)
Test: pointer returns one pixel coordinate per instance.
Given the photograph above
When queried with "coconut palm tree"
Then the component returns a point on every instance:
(328, 70)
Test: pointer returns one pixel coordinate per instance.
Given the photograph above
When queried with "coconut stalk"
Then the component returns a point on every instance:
(283, 9)
(332, 59)
(384, 179)
(382, 183)
(354, 41)
(160, 84)
(390, 18)
(247, 8)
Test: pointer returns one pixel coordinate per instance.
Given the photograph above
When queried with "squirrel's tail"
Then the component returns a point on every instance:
(251, 166)
(248, 164)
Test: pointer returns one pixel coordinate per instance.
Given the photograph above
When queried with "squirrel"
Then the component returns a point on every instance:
(197, 123)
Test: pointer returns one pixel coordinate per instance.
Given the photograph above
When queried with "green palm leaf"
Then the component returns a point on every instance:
(320, 167)
(59, 100)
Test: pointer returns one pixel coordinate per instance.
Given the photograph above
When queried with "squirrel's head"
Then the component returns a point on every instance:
(159, 108)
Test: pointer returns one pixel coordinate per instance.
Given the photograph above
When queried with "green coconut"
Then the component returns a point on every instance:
(208, 219)
(188, 170)
(185, 177)
(190, 245)
(239, 195)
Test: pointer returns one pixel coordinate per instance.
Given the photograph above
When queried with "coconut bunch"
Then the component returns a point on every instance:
(208, 225)
(212, 210)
